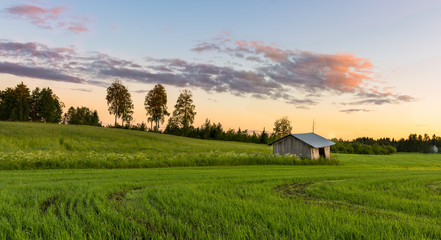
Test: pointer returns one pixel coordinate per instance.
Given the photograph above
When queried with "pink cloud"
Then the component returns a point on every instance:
(48, 18)
(37, 15)
(273, 53)
(241, 43)
(345, 73)
(77, 28)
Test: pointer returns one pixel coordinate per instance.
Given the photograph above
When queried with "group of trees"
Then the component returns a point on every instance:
(41, 105)
(418, 143)
(81, 116)
(211, 130)
(414, 143)
(360, 148)
(120, 104)
(19, 104)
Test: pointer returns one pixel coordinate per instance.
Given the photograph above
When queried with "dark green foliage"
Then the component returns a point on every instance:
(49, 106)
(19, 105)
(15, 103)
(282, 127)
(214, 131)
(263, 137)
(365, 145)
(359, 148)
(20, 112)
(81, 116)
(183, 115)
(140, 127)
(414, 143)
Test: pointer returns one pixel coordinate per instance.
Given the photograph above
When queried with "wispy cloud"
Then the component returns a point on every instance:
(292, 76)
(353, 110)
(37, 72)
(375, 97)
(49, 18)
(81, 89)
(141, 91)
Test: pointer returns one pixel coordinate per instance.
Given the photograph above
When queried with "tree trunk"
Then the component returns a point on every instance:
(116, 115)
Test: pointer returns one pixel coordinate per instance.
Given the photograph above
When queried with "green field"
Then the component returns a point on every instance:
(365, 197)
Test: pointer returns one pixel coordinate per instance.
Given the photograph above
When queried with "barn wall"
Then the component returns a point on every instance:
(315, 154)
(328, 152)
(293, 146)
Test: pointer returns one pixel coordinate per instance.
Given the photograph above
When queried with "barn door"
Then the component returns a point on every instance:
(322, 152)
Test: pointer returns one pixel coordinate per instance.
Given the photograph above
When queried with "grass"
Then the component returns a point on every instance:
(50, 146)
(366, 197)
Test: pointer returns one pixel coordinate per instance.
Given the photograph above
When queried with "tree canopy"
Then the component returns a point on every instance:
(18, 104)
(183, 115)
(119, 101)
(81, 116)
(282, 127)
(156, 105)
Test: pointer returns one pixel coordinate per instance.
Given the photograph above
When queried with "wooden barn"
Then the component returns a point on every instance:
(305, 145)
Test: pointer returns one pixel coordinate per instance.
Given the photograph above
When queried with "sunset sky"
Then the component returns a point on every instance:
(358, 68)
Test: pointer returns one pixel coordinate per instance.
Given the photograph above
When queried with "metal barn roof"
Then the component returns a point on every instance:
(311, 139)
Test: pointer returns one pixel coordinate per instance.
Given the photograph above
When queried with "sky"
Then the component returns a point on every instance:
(355, 68)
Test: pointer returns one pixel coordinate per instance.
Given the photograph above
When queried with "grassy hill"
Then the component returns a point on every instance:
(15, 136)
(43, 146)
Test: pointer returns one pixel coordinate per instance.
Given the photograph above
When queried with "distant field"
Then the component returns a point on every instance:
(49, 146)
(366, 197)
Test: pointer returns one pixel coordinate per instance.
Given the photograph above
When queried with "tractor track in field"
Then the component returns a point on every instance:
(120, 196)
(299, 191)
(295, 190)
(47, 203)
(434, 187)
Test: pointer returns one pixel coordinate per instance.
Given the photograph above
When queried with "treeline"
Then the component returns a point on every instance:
(41, 105)
(81, 116)
(214, 131)
(360, 148)
(19, 104)
(364, 145)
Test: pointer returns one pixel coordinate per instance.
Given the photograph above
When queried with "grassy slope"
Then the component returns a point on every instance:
(372, 197)
(65, 138)
(46, 146)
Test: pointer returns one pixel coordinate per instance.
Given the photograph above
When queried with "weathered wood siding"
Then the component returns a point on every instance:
(328, 152)
(292, 145)
(315, 154)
